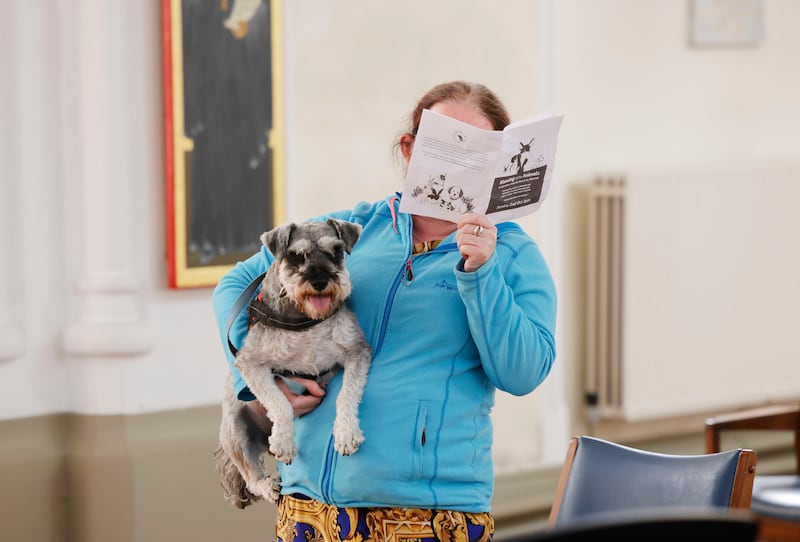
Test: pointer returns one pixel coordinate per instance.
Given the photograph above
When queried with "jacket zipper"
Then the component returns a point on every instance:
(327, 477)
(326, 482)
(406, 275)
(409, 272)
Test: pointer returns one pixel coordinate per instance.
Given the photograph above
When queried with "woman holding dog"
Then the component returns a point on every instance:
(452, 312)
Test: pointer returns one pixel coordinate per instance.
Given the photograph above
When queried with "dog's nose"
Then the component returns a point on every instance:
(319, 284)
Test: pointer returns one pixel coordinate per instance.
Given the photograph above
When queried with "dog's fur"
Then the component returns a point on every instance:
(307, 278)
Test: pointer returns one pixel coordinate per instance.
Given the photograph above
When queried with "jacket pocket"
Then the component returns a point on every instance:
(420, 441)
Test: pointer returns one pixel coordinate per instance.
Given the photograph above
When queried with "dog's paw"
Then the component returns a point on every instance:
(347, 438)
(269, 488)
(283, 449)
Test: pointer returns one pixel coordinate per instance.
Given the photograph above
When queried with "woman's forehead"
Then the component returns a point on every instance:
(465, 112)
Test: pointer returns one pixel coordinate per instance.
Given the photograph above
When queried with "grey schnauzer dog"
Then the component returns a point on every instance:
(300, 326)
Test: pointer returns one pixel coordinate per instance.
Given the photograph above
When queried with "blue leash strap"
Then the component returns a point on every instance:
(241, 304)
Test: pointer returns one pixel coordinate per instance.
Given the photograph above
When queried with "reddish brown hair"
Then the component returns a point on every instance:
(458, 92)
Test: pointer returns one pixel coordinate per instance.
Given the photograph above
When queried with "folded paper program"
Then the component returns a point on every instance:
(457, 168)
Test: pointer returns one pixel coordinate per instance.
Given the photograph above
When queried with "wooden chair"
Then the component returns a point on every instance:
(776, 497)
(600, 477)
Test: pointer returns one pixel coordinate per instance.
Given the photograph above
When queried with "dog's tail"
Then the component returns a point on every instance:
(233, 485)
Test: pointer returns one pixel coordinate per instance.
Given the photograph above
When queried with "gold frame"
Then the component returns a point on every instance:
(177, 144)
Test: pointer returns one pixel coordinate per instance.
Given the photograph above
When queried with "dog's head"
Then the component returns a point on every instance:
(310, 260)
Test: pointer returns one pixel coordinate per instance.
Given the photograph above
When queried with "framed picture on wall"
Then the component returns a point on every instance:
(726, 23)
(224, 133)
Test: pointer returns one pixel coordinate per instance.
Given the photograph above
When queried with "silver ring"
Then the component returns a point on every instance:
(477, 231)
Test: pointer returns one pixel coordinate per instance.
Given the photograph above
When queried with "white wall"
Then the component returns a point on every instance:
(88, 324)
(83, 185)
(637, 97)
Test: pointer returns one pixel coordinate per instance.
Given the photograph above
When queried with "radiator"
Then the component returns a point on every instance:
(604, 301)
(693, 292)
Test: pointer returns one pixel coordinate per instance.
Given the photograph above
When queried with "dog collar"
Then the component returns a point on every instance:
(260, 312)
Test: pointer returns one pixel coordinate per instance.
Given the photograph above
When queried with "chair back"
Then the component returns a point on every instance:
(776, 495)
(599, 476)
(769, 418)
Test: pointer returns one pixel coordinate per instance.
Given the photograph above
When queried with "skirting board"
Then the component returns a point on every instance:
(151, 477)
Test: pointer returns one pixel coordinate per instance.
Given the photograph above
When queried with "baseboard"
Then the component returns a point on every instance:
(151, 478)
(145, 478)
(522, 501)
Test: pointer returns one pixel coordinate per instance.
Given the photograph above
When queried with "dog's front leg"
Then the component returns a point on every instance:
(261, 381)
(347, 433)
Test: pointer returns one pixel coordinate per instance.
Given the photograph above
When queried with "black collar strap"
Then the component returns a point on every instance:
(239, 305)
(259, 312)
(244, 299)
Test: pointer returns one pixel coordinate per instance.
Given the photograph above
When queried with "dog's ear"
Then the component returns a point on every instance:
(277, 239)
(349, 232)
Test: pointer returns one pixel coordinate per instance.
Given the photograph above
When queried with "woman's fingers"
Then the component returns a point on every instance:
(304, 394)
(476, 239)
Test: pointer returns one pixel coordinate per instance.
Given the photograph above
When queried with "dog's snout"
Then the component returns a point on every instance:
(319, 283)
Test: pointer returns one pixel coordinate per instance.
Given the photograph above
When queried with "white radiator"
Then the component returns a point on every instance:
(604, 303)
(693, 293)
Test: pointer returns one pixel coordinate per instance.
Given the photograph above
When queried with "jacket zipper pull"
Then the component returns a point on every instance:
(409, 272)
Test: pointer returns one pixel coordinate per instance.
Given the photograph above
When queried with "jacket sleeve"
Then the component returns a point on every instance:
(511, 310)
(224, 297)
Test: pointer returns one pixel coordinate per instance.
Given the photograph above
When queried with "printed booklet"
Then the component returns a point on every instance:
(457, 168)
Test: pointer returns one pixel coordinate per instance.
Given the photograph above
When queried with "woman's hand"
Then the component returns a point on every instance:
(304, 402)
(476, 240)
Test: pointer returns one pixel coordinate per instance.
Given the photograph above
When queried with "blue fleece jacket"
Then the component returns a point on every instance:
(443, 340)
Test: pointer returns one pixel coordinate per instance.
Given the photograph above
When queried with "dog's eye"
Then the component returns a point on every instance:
(295, 259)
(338, 254)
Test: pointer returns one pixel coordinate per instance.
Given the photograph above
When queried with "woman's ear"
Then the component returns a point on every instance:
(406, 145)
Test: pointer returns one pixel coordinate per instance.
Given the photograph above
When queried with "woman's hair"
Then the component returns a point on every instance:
(458, 92)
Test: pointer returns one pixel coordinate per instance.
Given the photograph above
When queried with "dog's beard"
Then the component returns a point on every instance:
(316, 304)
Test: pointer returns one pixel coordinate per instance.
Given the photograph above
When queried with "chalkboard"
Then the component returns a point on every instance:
(223, 165)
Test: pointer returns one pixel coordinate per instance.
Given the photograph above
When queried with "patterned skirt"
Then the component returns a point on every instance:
(301, 519)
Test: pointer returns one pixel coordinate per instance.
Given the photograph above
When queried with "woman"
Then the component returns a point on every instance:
(453, 312)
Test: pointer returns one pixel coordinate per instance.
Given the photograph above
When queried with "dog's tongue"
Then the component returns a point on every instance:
(320, 302)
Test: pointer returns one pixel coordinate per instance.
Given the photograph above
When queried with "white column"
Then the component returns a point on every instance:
(110, 320)
(555, 419)
(11, 339)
